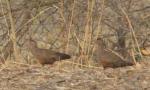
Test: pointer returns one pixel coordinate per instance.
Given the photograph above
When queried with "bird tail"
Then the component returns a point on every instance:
(63, 56)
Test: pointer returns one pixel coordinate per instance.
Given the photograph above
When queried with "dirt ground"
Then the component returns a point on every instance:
(16, 76)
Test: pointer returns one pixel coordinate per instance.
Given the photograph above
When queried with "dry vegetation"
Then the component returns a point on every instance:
(72, 26)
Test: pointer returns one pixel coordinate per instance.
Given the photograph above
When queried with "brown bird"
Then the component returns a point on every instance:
(45, 56)
(109, 59)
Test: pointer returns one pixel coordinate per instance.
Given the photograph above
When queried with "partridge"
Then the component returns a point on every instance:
(107, 58)
(46, 56)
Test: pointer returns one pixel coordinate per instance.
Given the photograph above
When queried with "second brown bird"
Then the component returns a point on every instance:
(109, 59)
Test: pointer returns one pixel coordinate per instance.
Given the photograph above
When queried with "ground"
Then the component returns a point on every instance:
(17, 76)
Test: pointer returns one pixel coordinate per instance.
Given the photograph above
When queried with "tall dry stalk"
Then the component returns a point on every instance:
(99, 27)
(85, 45)
(132, 32)
(70, 25)
(12, 34)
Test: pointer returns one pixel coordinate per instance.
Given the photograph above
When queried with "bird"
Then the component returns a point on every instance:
(108, 59)
(46, 56)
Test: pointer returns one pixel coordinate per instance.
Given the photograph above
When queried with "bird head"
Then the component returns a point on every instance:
(32, 43)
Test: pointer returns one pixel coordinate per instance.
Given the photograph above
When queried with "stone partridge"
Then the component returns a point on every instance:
(107, 58)
(46, 56)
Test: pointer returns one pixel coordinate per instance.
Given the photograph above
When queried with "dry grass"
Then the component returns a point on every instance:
(17, 76)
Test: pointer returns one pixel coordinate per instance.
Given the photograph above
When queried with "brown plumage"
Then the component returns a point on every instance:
(109, 59)
(45, 56)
